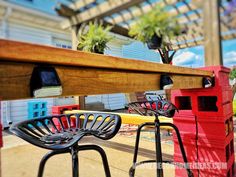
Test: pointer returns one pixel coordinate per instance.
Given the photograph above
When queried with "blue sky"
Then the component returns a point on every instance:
(194, 57)
(189, 57)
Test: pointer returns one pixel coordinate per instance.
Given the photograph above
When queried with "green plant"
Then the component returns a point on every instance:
(95, 38)
(232, 74)
(157, 21)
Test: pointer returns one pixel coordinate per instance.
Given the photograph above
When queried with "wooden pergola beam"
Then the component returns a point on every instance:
(64, 11)
(102, 10)
(85, 73)
(83, 3)
(117, 29)
(138, 11)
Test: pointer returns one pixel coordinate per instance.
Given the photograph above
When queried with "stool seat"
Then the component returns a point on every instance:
(62, 133)
(160, 107)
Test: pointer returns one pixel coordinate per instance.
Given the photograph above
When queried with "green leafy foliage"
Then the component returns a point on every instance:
(94, 39)
(157, 21)
(232, 74)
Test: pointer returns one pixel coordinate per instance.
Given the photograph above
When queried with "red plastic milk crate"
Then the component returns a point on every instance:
(215, 150)
(185, 101)
(214, 127)
(190, 150)
(220, 169)
(186, 124)
(181, 172)
(221, 75)
(60, 110)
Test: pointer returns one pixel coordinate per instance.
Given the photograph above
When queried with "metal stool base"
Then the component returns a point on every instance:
(158, 161)
(75, 162)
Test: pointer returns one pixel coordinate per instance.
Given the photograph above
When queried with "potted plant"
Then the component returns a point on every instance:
(94, 38)
(153, 27)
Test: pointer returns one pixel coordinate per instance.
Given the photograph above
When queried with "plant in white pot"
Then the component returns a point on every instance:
(94, 38)
(153, 27)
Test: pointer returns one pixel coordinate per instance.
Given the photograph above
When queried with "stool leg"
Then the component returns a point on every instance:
(102, 153)
(190, 174)
(158, 149)
(45, 158)
(75, 161)
(132, 169)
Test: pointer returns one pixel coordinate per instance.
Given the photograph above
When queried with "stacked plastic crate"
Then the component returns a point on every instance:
(211, 109)
(186, 122)
(37, 109)
(60, 110)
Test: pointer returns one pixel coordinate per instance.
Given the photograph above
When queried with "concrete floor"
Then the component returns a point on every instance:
(20, 159)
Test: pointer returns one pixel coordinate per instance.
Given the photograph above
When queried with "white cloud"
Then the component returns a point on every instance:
(187, 58)
(230, 58)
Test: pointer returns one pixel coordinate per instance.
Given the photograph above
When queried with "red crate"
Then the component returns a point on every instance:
(221, 75)
(211, 101)
(64, 122)
(190, 147)
(224, 95)
(214, 128)
(185, 101)
(217, 110)
(215, 150)
(61, 109)
(181, 172)
(186, 124)
(219, 169)
(191, 153)
(215, 118)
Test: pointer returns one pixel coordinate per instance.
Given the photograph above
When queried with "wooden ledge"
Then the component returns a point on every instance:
(86, 73)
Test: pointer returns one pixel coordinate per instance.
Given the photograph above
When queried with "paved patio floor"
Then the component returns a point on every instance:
(20, 159)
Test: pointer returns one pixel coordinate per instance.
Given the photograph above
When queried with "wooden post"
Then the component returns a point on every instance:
(212, 32)
(74, 31)
(74, 40)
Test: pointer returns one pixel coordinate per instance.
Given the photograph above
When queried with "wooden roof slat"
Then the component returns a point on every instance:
(192, 21)
(104, 9)
(183, 10)
(136, 12)
(82, 3)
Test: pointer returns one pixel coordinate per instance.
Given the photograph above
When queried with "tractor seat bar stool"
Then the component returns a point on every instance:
(62, 133)
(155, 108)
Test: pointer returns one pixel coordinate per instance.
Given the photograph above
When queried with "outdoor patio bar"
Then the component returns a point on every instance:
(176, 120)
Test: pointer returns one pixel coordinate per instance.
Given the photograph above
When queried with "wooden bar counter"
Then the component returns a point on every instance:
(84, 73)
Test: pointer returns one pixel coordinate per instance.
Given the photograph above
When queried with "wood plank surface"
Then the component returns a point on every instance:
(32, 53)
(86, 73)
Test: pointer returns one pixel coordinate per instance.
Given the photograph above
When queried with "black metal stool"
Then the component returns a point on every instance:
(57, 134)
(156, 108)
